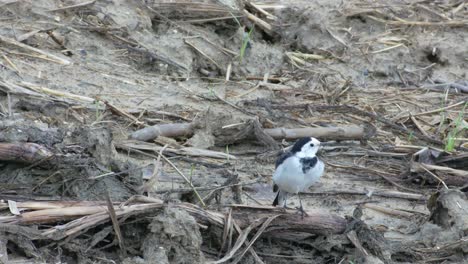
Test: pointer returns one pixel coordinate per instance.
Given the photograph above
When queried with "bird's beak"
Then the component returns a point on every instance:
(319, 149)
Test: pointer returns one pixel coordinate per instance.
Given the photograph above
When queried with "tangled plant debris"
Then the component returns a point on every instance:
(147, 131)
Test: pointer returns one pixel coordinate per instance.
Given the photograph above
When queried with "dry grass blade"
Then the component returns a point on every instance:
(63, 94)
(73, 6)
(227, 231)
(257, 235)
(154, 177)
(251, 250)
(240, 240)
(259, 8)
(388, 48)
(202, 53)
(388, 211)
(188, 12)
(419, 126)
(13, 66)
(115, 223)
(441, 109)
(355, 240)
(435, 176)
(299, 59)
(399, 21)
(259, 22)
(184, 151)
(8, 87)
(116, 110)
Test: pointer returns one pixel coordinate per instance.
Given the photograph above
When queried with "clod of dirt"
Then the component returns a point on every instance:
(97, 142)
(23, 130)
(124, 14)
(168, 48)
(222, 129)
(309, 30)
(174, 238)
(202, 139)
(431, 235)
(259, 57)
(207, 125)
(449, 211)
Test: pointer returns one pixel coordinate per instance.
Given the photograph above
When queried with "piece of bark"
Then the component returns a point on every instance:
(23, 152)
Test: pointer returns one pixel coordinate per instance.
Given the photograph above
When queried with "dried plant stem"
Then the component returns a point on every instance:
(186, 180)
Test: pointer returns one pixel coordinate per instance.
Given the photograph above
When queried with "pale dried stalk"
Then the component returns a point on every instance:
(185, 151)
(64, 94)
(72, 6)
(259, 22)
(29, 48)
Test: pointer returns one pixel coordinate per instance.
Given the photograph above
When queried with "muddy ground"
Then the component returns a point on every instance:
(79, 77)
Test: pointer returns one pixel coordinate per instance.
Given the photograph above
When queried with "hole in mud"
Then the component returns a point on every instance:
(358, 17)
(401, 256)
(187, 197)
(434, 55)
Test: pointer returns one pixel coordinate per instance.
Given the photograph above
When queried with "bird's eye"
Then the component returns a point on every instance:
(311, 145)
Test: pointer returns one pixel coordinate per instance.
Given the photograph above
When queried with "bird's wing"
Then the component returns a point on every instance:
(279, 161)
(282, 158)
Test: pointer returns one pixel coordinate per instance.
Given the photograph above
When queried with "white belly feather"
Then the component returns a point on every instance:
(290, 178)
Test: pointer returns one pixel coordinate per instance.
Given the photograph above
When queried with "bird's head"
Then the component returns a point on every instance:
(306, 147)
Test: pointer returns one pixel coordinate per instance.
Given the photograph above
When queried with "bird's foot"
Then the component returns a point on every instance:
(301, 211)
(284, 208)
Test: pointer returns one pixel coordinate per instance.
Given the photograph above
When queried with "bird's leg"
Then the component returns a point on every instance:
(285, 201)
(300, 208)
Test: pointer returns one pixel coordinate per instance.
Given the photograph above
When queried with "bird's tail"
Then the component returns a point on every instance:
(280, 199)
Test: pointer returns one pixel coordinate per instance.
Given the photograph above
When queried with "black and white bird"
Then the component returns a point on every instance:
(297, 170)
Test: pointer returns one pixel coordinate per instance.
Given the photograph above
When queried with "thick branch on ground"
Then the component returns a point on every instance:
(330, 133)
(83, 216)
(354, 110)
(165, 130)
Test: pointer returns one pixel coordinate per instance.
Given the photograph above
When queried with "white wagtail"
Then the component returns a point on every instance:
(296, 170)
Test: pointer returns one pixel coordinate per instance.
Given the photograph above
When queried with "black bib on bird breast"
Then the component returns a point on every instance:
(308, 163)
